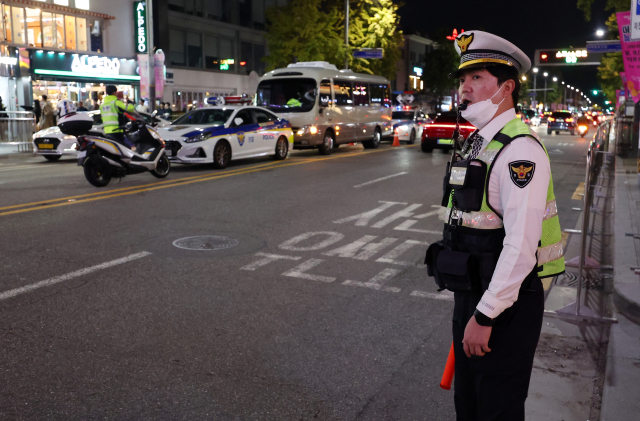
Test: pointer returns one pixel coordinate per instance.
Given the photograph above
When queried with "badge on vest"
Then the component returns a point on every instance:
(521, 172)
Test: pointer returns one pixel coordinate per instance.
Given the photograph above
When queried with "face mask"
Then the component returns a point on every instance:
(481, 113)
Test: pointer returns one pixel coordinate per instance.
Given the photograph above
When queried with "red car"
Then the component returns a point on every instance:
(437, 135)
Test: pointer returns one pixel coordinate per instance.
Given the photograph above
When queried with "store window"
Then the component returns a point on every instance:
(17, 16)
(211, 58)
(194, 50)
(70, 31)
(213, 9)
(246, 57)
(7, 23)
(82, 4)
(176, 47)
(81, 34)
(48, 30)
(58, 21)
(227, 55)
(61, 2)
(244, 12)
(34, 33)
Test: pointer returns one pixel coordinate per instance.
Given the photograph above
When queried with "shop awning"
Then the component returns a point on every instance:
(63, 9)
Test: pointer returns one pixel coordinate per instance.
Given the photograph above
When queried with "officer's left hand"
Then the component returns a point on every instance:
(476, 338)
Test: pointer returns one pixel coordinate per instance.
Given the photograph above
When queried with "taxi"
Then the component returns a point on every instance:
(222, 133)
(408, 123)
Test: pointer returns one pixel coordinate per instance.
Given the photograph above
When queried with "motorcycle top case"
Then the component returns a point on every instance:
(75, 124)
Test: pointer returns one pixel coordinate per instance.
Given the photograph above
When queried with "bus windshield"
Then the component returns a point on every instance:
(287, 95)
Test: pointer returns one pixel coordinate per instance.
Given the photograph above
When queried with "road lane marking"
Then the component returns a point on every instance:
(266, 259)
(56, 280)
(155, 186)
(378, 281)
(300, 271)
(380, 179)
(24, 167)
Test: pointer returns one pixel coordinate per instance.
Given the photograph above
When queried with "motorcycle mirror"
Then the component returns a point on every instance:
(154, 113)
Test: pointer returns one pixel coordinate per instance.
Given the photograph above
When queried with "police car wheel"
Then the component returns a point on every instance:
(412, 137)
(282, 149)
(221, 155)
(52, 158)
(327, 144)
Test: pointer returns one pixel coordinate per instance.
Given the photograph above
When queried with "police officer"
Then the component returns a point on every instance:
(502, 234)
(111, 111)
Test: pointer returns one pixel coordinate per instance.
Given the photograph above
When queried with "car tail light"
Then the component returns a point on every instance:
(569, 120)
(552, 119)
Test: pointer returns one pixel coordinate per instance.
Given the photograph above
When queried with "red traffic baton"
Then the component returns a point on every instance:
(449, 369)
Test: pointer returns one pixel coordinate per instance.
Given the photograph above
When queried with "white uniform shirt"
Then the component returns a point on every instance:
(65, 107)
(522, 210)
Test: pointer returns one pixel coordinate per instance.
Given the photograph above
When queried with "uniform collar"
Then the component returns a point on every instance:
(491, 130)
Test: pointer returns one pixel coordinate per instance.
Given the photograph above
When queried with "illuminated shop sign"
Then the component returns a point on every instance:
(12, 61)
(224, 64)
(417, 71)
(51, 63)
(140, 17)
(564, 57)
(95, 65)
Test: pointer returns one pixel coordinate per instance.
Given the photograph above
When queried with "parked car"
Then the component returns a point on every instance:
(219, 134)
(534, 118)
(437, 135)
(408, 124)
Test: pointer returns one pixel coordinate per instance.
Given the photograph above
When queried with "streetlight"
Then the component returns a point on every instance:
(524, 78)
(600, 32)
(544, 107)
(535, 93)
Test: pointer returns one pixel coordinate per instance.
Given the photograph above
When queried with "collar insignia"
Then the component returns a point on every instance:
(463, 42)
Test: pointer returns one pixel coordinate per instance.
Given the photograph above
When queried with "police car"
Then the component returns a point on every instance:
(52, 144)
(408, 123)
(221, 133)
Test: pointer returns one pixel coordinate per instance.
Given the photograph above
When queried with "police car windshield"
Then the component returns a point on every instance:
(402, 115)
(294, 95)
(210, 117)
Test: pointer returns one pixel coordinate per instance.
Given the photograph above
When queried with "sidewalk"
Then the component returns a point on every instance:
(622, 380)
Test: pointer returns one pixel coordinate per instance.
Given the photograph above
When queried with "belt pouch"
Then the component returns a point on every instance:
(458, 271)
(431, 259)
(467, 179)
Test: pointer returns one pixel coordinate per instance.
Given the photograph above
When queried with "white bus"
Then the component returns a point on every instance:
(328, 107)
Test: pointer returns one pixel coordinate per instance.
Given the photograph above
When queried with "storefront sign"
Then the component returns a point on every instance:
(52, 63)
(95, 64)
(11, 61)
(417, 71)
(630, 55)
(140, 17)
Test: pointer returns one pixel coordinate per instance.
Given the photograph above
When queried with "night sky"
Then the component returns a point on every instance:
(530, 25)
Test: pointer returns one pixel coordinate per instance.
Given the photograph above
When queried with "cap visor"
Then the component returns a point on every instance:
(473, 66)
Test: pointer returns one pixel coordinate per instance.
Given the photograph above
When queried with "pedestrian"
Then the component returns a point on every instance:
(3, 109)
(37, 110)
(82, 107)
(47, 114)
(141, 108)
(502, 234)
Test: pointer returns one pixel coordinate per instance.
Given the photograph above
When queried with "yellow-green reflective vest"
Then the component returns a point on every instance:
(550, 253)
(109, 110)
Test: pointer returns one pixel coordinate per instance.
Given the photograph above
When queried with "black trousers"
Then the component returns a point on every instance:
(494, 387)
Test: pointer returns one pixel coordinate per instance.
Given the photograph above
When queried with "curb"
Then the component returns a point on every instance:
(624, 303)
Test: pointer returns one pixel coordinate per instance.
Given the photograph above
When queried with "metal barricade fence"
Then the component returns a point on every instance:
(597, 161)
(17, 128)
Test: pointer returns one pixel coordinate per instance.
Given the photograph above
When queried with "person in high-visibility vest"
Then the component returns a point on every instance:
(110, 110)
(501, 235)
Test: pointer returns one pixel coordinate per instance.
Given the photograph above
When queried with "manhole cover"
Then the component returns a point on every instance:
(206, 242)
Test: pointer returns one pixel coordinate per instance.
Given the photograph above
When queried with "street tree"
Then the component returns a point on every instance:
(301, 31)
(373, 24)
(612, 64)
(438, 63)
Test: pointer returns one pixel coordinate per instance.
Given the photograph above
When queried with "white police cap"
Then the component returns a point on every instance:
(482, 49)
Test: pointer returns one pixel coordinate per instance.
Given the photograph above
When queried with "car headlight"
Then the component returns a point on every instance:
(198, 138)
(307, 130)
(68, 137)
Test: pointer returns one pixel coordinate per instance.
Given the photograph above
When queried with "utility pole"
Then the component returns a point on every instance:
(535, 100)
(346, 32)
(544, 104)
(151, 66)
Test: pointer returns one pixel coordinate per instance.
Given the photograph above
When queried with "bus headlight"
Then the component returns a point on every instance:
(307, 130)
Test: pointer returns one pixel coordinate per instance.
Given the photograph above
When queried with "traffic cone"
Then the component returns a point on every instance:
(396, 139)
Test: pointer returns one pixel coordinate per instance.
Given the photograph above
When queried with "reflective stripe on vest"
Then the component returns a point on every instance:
(550, 252)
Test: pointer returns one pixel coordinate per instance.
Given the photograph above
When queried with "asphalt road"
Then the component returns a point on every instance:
(312, 304)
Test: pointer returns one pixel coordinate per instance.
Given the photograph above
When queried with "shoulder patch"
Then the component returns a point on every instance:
(521, 172)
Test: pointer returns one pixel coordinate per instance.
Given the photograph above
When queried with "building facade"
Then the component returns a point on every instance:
(412, 64)
(212, 47)
(65, 49)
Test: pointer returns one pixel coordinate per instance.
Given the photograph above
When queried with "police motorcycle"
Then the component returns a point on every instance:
(104, 157)
(583, 129)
